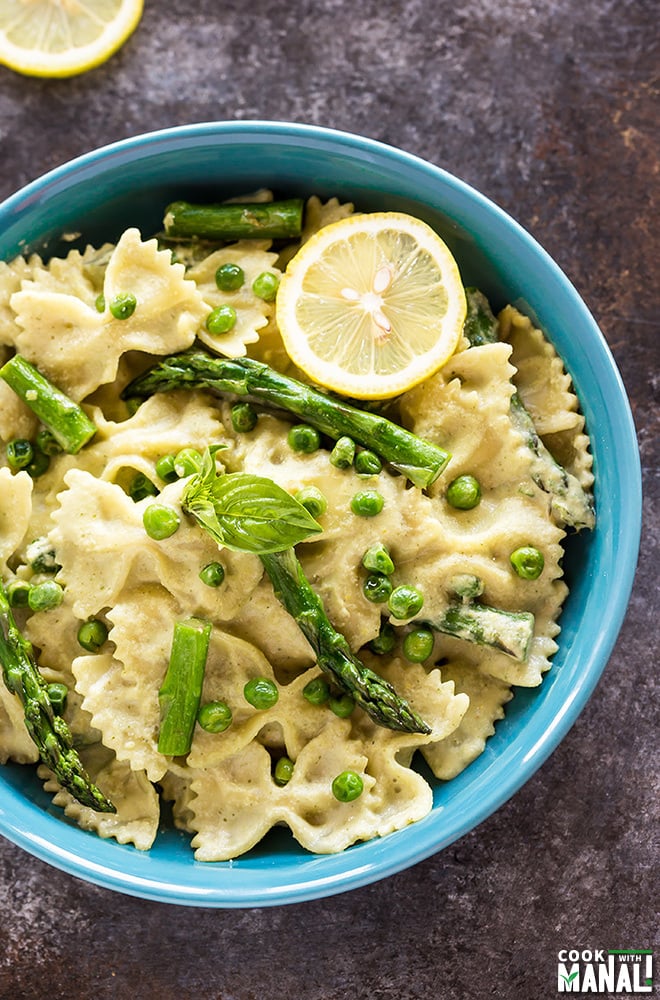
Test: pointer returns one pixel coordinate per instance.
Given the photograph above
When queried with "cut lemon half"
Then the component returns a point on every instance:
(371, 305)
(63, 37)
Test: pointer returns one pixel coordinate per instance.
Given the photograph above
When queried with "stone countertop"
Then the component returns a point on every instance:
(548, 108)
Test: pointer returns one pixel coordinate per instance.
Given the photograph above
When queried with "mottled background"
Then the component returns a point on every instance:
(549, 108)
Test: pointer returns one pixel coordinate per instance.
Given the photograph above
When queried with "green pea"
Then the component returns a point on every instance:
(342, 706)
(466, 585)
(347, 786)
(283, 772)
(57, 695)
(18, 592)
(229, 277)
(46, 595)
(141, 487)
(46, 442)
(243, 417)
(265, 286)
(123, 306)
(19, 454)
(378, 559)
(187, 462)
(377, 588)
(100, 303)
(367, 463)
(212, 574)
(160, 521)
(39, 465)
(304, 438)
(528, 562)
(404, 602)
(165, 468)
(92, 634)
(343, 453)
(464, 492)
(312, 500)
(214, 716)
(221, 320)
(367, 503)
(261, 693)
(385, 641)
(418, 645)
(316, 691)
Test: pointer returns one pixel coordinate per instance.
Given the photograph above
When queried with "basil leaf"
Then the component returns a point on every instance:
(246, 513)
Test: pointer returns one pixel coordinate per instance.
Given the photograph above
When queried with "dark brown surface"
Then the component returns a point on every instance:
(549, 108)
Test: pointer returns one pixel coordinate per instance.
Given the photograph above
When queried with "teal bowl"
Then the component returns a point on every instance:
(128, 183)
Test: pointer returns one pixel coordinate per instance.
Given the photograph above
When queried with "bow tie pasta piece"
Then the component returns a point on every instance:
(290, 723)
(15, 741)
(317, 214)
(163, 425)
(15, 512)
(487, 696)
(427, 690)
(232, 804)
(274, 631)
(133, 795)
(55, 634)
(323, 213)
(11, 277)
(175, 788)
(16, 419)
(125, 708)
(547, 391)
(548, 395)
(77, 274)
(251, 312)
(466, 408)
(79, 348)
(121, 691)
(333, 561)
(103, 548)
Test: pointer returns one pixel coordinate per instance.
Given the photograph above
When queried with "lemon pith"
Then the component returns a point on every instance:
(371, 305)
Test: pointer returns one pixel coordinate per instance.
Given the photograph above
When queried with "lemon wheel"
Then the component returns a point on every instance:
(57, 38)
(371, 305)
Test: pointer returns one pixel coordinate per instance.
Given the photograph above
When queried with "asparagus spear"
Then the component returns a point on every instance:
(570, 504)
(49, 732)
(509, 631)
(419, 460)
(268, 220)
(181, 690)
(234, 509)
(67, 422)
(480, 326)
(373, 694)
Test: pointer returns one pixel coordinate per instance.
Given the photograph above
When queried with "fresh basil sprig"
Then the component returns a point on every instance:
(244, 512)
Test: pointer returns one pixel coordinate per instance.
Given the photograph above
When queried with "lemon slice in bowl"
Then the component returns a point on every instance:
(57, 38)
(371, 305)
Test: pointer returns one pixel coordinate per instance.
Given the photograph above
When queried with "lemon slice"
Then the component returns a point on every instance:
(63, 37)
(371, 305)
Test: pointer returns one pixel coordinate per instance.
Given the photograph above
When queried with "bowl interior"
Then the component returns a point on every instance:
(129, 184)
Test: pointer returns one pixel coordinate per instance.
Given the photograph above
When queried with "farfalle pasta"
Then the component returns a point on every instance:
(426, 606)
